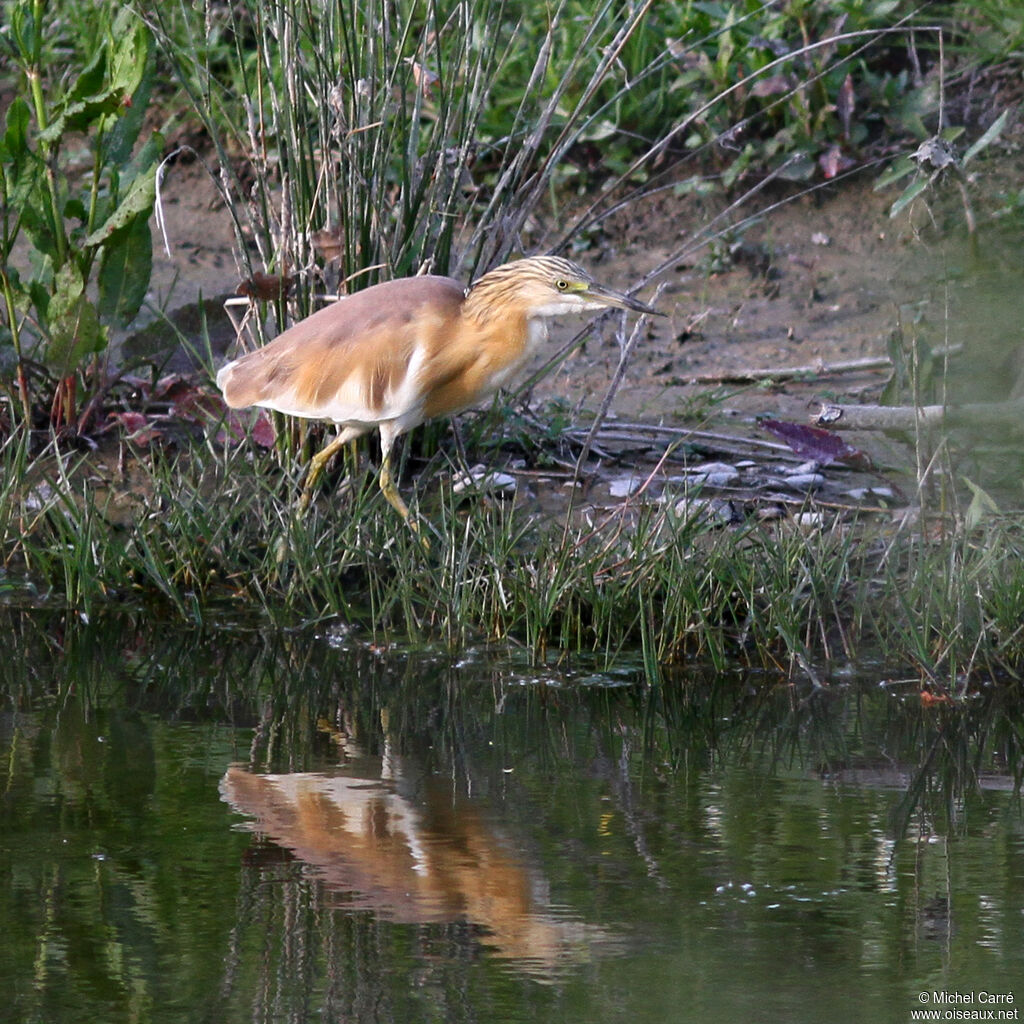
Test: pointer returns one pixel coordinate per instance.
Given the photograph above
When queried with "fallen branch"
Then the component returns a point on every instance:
(641, 434)
(907, 417)
(818, 369)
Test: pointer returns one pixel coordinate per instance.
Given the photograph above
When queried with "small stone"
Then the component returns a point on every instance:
(809, 521)
(714, 474)
(716, 511)
(484, 481)
(804, 481)
(39, 497)
(862, 493)
(624, 486)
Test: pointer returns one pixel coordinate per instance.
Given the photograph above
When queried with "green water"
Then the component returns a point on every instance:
(304, 826)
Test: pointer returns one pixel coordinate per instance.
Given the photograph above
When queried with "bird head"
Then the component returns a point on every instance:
(549, 285)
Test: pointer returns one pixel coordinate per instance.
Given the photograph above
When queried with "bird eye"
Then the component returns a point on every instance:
(561, 285)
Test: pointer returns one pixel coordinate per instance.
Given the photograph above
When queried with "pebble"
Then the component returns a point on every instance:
(804, 481)
(708, 510)
(625, 486)
(483, 480)
(809, 520)
(860, 493)
(715, 474)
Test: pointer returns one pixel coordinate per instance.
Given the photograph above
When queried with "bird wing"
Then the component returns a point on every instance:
(358, 360)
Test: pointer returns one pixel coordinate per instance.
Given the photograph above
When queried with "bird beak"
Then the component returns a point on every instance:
(606, 297)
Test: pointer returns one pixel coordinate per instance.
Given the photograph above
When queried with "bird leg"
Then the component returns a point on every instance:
(390, 491)
(318, 464)
(388, 488)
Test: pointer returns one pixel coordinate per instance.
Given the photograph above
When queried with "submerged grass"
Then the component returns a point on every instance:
(208, 530)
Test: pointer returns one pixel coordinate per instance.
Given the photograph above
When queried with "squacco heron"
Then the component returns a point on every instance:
(399, 353)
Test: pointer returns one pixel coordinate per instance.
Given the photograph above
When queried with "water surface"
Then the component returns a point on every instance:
(243, 825)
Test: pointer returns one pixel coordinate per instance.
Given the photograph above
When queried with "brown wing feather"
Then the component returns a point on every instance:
(348, 356)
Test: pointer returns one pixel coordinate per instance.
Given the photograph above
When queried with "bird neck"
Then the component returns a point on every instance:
(484, 307)
(500, 323)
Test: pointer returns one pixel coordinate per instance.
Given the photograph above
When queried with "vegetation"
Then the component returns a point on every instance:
(75, 230)
(215, 534)
(370, 139)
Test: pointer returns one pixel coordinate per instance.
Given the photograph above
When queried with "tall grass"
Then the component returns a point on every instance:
(216, 532)
(365, 120)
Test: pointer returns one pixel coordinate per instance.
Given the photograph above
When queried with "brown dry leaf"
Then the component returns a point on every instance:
(774, 85)
(136, 427)
(266, 287)
(263, 433)
(824, 446)
(424, 78)
(833, 161)
(238, 426)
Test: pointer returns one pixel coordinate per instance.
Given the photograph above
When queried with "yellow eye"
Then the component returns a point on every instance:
(561, 285)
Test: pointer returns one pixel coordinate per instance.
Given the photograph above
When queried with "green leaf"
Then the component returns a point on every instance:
(994, 131)
(90, 81)
(75, 208)
(125, 271)
(138, 200)
(910, 193)
(895, 171)
(982, 506)
(81, 115)
(132, 70)
(14, 145)
(68, 286)
(132, 47)
(74, 326)
(25, 31)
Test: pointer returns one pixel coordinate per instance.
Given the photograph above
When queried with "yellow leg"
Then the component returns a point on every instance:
(316, 468)
(390, 491)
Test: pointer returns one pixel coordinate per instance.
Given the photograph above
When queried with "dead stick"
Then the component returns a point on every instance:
(907, 417)
(819, 369)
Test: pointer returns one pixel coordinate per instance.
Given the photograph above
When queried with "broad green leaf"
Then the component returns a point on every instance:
(25, 31)
(125, 270)
(8, 357)
(81, 115)
(994, 131)
(90, 81)
(74, 327)
(33, 207)
(138, 200)
(14, 145)
(133, 67)
(23, 188)
(120, 140)
(145, 159)
(68, 286)
(75, 208)
(132, 46)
